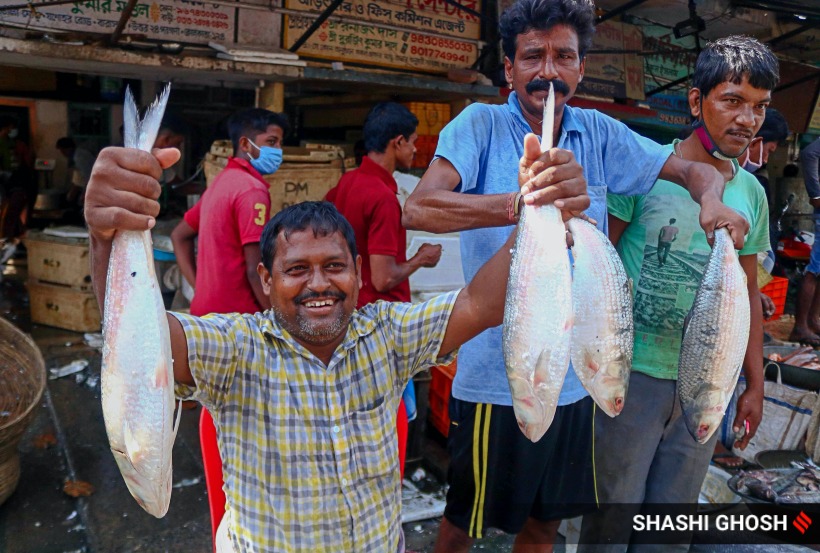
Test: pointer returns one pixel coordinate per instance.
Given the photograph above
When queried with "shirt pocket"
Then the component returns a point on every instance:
(597, 202)
(371, 439)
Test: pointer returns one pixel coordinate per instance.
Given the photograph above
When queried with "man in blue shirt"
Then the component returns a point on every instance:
(470, 186)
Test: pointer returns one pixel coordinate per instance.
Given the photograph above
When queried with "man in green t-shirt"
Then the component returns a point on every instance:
(646, 455)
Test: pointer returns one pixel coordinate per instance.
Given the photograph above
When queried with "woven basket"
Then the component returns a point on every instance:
(23, 377)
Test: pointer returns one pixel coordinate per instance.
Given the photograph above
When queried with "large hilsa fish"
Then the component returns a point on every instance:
(715, 336)
(536, 334)
(602, 330)
(137, 368)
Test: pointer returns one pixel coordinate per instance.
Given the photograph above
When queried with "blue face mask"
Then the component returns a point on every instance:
(268, 161)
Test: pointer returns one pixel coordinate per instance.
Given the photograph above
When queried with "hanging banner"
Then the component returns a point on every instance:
(434, 16)
(375, 45)
(171, 20)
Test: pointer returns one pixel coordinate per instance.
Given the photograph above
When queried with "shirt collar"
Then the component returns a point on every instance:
(245, 165)
(360, 326)
(569, 123)
(370, 167)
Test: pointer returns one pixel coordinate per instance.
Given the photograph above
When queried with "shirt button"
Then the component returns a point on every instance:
(336, 429)
(344, 481)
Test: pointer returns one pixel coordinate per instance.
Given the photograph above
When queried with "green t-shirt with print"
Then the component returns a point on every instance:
(664, 252)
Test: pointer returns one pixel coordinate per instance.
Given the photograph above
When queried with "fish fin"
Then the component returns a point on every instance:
(130, 120)
(149, 127)
(686, 322)
(161, 375)
(589, 362)
(541, 368)
(176, 423)
(132, 446)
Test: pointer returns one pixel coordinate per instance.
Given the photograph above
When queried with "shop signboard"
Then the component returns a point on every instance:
(674, 61)
(386, 33)
(672, 110)
(614, 75)
(432, 16)
(171, 20)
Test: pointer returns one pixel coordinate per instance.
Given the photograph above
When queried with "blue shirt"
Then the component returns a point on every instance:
(485, 143)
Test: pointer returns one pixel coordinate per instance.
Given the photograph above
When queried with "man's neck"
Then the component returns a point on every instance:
(385, 160)
(691, 149)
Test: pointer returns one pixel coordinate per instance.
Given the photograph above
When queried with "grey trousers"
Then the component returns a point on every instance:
(644, 455)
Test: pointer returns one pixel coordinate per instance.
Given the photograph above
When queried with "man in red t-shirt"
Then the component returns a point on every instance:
(228, 220)
(367, 197)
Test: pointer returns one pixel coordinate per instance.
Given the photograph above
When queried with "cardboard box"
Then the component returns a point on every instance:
(292, 183)
(63, 307)
(59, 260)
(290, 186)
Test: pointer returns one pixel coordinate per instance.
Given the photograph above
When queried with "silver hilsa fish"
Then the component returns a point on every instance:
(137, 368)
(537, 319)
(602, 329)
(715, 336)
(538, 310)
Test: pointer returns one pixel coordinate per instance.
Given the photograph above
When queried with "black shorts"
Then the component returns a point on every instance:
(498, 478)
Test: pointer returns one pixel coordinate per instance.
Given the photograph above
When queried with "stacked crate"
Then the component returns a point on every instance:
(59, 283)
(306, 173)
(777, 289)
(432, 118)
(440, 387)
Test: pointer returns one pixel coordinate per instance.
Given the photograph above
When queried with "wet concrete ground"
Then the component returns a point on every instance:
(40, 518)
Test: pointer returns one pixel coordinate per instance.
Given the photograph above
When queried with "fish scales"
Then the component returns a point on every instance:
(137, 368)
(602, 328)
(714, 340)
(537, 318)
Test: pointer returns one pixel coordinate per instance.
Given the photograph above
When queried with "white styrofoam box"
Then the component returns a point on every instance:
(447, 275)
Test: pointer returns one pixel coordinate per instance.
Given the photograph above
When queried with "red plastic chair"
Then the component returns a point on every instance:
(213, 462)
(213, 470)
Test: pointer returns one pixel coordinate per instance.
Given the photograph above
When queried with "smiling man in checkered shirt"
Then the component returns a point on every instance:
(304, 395)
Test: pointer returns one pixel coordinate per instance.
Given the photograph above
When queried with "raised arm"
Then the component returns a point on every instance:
(435, 207)
(705, 185)
(122, 195)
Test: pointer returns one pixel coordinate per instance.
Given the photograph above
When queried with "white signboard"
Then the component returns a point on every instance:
(171, 20)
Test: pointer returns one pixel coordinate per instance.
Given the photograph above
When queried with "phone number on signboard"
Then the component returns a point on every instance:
(438, 54)
(442, 42)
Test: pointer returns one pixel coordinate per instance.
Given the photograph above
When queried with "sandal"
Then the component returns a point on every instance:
(805, 340)
(729, 461)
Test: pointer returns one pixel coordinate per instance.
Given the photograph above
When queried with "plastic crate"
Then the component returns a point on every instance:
(425, 150)
(440, 386)
(777, 289)
(432, 116)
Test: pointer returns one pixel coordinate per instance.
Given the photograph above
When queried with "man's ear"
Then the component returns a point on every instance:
(694, 102)
(359, 269)
(264, 278)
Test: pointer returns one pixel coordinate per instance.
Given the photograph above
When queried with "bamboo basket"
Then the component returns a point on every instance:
(23, 374)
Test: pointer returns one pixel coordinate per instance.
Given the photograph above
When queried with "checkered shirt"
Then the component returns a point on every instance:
(310, 457)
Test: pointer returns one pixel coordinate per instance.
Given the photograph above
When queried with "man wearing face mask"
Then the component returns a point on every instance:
(229, 218)
(775, 130)
(228, 221)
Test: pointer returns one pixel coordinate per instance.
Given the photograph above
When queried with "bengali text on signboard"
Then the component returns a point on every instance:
(173, 20)
(373, 44)
(435, 16)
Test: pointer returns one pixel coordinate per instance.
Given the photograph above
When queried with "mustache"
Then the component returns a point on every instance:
(307, 296)
(558, 85)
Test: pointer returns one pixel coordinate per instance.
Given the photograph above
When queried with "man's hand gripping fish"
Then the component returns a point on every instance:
(137, 368)
(538, 310)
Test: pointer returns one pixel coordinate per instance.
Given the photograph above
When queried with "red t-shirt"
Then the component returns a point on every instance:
(231, 213)
(367, 198)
